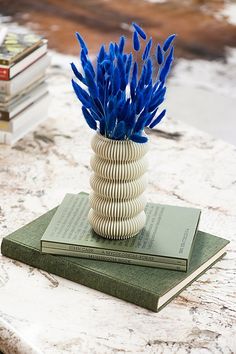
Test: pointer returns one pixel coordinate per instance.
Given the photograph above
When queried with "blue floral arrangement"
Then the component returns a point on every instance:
(118, 98)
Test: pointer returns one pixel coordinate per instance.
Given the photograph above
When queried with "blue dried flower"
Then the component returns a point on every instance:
(147, 49)
(148, 72)
(116, 81)
(89, 119)
(137, 138)
(139, 30)
(82, 43)
(159, 55)
(136, 43)
(121, 44)
(118, 98)
(78, 74)
(166, 68)
(168, 42)
(158, 119)
(82, 95)
(119, 131)
(93, 90)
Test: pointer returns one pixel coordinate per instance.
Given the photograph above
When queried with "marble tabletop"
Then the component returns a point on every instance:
(43, 313)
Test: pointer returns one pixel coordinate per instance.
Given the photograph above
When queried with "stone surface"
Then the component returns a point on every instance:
(186, 168)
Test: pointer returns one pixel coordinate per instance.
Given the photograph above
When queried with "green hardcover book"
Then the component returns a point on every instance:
(165, 242)
(151, 288)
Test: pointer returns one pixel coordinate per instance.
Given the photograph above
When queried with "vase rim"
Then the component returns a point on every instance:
(127, 141)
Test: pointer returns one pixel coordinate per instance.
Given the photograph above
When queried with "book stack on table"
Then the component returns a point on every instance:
(148, 270)
(23, 91)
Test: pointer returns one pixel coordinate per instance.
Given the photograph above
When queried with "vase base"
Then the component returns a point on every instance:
(116, 229)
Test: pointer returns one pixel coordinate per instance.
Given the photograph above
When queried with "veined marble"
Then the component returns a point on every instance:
(44, 313)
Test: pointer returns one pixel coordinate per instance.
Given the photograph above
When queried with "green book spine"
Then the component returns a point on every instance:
(80, 274)
(135, 258)
(113, 258)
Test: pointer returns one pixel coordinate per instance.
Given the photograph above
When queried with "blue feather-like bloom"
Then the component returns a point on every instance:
(116, 81)
(119, 99)
(78, 74)
(141, 82)
(137, 138)
(121, 44)
(82, 43)
(125, 109)
(81, 94)
(83, 57)
(101, 54)
(139, 30)
(168, 42)
(150, 117)
(158, 119)
(140, 124)
(159, 55)
(93, 90)
(147, 49)
(89, 119)
(119, 131)
(112, 51)
(148, 72)
(121, 67)
(111, 122)
(130, 119)
(128, 66)
(165, 70)
(136, 43)
(133, 82)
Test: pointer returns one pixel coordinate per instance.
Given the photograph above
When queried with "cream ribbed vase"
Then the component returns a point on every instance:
(118, 182)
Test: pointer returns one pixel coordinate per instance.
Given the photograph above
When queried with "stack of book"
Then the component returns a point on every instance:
(23, 91)
(148, 270)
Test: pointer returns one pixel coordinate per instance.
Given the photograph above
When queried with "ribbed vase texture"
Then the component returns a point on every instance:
(118, 181)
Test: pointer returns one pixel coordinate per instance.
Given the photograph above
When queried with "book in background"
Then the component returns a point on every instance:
(24, 96)
(166, 241)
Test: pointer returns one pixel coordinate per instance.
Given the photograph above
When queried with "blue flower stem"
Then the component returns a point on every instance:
(160, 67)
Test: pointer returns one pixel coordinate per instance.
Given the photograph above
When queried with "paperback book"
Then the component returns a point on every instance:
(23, 93)
(26, 116)
(148, 287)
(24, 79)
(18, 104)
(7, 72)
(17, 45)
(32, 116)
(165, 242)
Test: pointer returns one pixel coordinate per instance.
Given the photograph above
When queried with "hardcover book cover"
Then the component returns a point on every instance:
(151, 288)
(165, 242)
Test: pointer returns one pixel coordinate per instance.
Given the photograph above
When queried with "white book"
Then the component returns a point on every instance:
(37, 114)
(24, 79)
(10, 111)
(23, 117)
(15, 69)
(6, 101)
